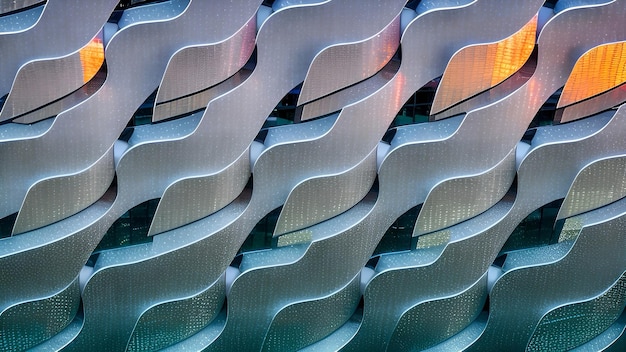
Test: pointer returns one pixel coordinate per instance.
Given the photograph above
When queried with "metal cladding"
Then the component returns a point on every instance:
(312, 175)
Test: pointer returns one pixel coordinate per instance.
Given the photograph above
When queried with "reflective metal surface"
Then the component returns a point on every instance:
(14, 5)
(598, 184)
(71, 72)
(193, 69)
(496, 62)
(604, 101)
(53, 35)
(150, 198)
(607, 62)
(342, 65)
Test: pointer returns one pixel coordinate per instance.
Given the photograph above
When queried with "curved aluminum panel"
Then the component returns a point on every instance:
(429, 5)
(565, 4)
(193, 69)
(612, 339)
(373, 227)
(359, 109)
(216, 258)
(52, 36)
(496, 93)
(260, 268)
(290, 133)
(62, 76)
(196, 197)
(598, 70)
(526, 100)
(324, 315)
(494, 63)
(279, 4)
(343, 65)
(428, 323)
(199, 100)
(598, 184)
(501, 226)
(44, 204)
(152, 12)
(16, 5)
(68, 101)
(35, 264)
(209, 139)
(571, 325)
(564, 148)
(178, 128)
(126, 282)
(399, 87)
(456, 158)
(223, 130)
(202, 339)
(164, 324)
(460, 341)
(445, 206)
(456, 265)
(547, 284)
(15, 131)
(260, 91)
(337, 339)
(303, 159)
(348, 96)
(137, 68)
(179, 159)
(46, 317)
(560, 155)
(533, 173)
(60, 340)
(20, 20)
(604, 101)
(250, 335)
(547, 78)
(322, 197)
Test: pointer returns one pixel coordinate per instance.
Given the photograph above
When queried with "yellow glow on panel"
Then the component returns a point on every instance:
(598, 70)
(480, 67)
(91, 58)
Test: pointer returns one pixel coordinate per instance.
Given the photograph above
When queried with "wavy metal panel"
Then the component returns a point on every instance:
(264, 238)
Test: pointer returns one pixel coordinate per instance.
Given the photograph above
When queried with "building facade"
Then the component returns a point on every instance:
(302, 174)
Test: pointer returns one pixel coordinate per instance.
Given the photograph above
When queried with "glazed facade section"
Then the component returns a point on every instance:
(320, 175)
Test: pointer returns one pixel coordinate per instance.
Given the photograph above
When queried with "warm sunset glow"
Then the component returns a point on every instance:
(598, 70)
(91, 58)
(480, 67)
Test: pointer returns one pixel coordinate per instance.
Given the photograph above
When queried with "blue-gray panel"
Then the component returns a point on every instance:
(69, 169)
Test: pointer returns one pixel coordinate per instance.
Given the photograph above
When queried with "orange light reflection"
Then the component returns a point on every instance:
(598, 70)
(480, 67)
(92, 58)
